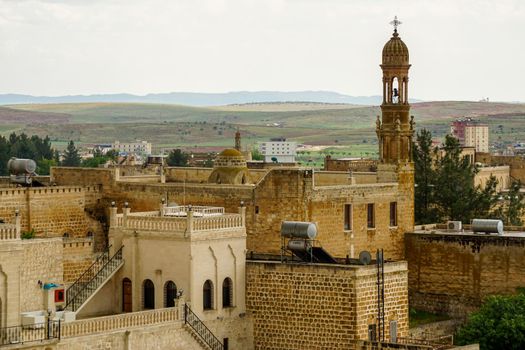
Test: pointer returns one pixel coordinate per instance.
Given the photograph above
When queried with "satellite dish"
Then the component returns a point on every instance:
(365, 257)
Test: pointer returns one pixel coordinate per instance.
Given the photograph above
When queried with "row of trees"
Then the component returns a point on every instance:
(40, 150)
(445, 188)
(22, 146)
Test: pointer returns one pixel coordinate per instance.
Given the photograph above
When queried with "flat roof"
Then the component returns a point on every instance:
(470, 233)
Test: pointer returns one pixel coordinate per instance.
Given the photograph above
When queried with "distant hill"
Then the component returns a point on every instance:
(170, 125)
(200, 99)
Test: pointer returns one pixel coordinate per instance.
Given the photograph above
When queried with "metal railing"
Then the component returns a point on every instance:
(198, 210)
(30, 333)
(201, 330)
(92, 278)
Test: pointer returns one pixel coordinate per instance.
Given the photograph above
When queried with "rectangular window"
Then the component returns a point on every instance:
(370, 215)
(256, 209)
(348, 217)
(372, 332)
(393, 213)
(393, 331)
(225, 344)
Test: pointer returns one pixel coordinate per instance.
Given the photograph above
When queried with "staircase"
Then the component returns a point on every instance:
(200, 331)
(94, 278)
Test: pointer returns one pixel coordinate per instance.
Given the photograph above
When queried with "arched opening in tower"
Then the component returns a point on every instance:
(395, 90)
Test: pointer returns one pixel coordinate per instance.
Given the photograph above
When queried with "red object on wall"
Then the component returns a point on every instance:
(59, 296)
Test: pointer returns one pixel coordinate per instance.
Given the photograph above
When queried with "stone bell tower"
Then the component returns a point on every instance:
(395, 128)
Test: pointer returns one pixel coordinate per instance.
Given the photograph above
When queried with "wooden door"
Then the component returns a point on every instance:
(127, 304)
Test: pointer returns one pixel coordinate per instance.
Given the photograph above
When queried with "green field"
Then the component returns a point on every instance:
(168, 126)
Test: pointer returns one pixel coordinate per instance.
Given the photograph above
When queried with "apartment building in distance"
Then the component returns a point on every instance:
(278, 150)
(137, 147)
(471, 133)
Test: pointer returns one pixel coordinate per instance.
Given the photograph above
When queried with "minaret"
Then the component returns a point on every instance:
(395, 128)
(238, 140)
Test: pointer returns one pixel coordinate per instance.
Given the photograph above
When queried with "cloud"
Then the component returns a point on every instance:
(141, 46)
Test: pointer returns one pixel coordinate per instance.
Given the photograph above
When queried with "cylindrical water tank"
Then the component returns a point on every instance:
(298, 229)
(299, 245)
(19, 166)
(487, 226)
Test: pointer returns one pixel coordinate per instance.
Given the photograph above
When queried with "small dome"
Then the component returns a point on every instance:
(395, 52)
(230, 152)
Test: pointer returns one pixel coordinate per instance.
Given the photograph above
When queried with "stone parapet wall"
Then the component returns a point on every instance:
(516, 164)
(124, 321)
(191, 175)
(350, 164)
(49, 211)
(372, 345)
(65, 176)
(320, 306)
(453, 273)
(435, 329)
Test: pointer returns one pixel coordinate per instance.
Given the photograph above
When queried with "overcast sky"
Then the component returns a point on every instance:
(459, 49)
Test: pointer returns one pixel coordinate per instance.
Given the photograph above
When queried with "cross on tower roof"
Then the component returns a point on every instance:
(395, 23)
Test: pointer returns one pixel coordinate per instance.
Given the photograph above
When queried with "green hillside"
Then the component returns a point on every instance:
(184, 126)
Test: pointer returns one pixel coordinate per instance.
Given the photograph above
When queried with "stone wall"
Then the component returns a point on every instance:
(320, 306)
(49, 211)
(434, 330)
(180, 174)
(349, 164)
(287, 194)
(55, 211)
(169, 336)
(516, 163)
(501, 173)
(42, 261)
(84, 176)
(453, 273)
(370, 345)
(77, 257)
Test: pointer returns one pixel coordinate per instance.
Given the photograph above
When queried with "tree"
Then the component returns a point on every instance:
(424, 176)
(512, 207)
(445, 184)
(498, 324)
(44, 166)
(177, 158)
(256, 155)
(4, 155)
(71, 156)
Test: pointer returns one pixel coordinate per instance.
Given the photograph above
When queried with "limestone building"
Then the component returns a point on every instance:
(187, 262)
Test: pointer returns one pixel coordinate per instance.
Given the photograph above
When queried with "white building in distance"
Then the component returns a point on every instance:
(137, 147)
(278, 150)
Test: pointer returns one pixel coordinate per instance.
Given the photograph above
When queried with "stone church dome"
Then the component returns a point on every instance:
(395, 52)
(230, 152)
(229, 168)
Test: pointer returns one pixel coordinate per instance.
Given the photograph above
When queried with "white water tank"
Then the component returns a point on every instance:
(487, 226)
(298, 229)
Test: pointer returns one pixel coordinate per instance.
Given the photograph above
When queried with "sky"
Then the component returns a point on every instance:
(459, 49)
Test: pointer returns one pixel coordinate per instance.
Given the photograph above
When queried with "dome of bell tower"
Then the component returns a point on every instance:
(395, 52)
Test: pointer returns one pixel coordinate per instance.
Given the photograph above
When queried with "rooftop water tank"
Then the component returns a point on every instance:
(487, 226)
(298, 229)
(18, 166)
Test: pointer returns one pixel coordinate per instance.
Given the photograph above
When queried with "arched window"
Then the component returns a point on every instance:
(126, 295)
(227, 292)
(207, 295)
(148, 294)
(395, 90)
(170, 293)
